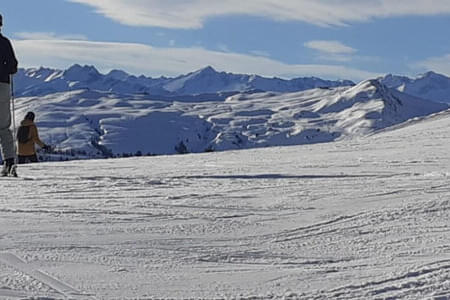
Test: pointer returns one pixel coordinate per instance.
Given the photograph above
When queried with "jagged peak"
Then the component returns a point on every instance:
(370, 84)
(371, 87)
(42, 68)
(209, 68)
(39, 70)
(206, 70)
(118, 74)
(79, 68)
(80, 73)
(432, 75)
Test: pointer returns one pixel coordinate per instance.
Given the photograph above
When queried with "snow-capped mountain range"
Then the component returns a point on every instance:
(204, 84)
(99, 123)
(206, 81)
(430, 86)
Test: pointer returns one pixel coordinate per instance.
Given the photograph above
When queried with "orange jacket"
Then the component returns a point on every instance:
(27, 148)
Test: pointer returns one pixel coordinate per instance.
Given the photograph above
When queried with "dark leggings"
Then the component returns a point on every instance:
(23, 159)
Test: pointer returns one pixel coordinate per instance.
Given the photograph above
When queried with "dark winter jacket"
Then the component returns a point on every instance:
(27, 148)
(8, 61)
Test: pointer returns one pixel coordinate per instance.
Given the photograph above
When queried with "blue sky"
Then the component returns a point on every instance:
(338, 39)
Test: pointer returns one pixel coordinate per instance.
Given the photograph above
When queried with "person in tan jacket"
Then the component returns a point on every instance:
(27, 137)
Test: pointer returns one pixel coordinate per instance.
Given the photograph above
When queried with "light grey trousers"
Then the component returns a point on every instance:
(6, 136)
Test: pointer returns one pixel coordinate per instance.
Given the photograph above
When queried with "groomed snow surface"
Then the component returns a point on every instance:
(365, 218)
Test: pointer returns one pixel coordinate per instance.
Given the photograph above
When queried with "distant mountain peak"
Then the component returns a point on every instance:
(79, 68)
(118, 74)
(370, 84)
(429, 73)
(81, 73)
(206, 71)
(374, 89)
(430, 85)
(432, 75)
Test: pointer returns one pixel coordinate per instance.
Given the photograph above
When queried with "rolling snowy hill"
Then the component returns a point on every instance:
(99, 124)
(360, 219)
(432, 86)
(44, 81)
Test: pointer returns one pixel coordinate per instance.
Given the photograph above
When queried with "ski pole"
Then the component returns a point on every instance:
(13, 113)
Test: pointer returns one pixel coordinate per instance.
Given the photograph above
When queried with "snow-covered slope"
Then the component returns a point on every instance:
(43, 81)
(432, 86)
(366, 219)
(102, 124)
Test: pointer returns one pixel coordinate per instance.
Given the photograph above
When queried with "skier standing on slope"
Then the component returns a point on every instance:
(8, 66)
(27, 136)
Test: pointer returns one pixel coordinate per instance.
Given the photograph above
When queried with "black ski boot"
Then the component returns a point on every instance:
(9, 168)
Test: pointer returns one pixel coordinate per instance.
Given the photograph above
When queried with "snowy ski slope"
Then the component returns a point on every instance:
(365, 218)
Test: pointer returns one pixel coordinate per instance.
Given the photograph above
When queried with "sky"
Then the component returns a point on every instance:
(330, 39)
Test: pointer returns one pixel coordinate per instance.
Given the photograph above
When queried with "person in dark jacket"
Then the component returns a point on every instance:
(26, 149)
(8, 66)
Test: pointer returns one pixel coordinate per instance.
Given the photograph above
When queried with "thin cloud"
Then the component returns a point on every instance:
(193, 14)
(156, 61)
(48, 36)
(223, 47)
(335, 51)
(330, 47)
(260, 53)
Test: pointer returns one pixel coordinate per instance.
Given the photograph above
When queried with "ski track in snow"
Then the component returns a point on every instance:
(358, 219)
(62, 288)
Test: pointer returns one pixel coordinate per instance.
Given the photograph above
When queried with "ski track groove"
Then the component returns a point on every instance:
(376, 288)
(64, 289)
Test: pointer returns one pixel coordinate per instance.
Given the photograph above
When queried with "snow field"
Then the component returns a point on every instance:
(358, 219)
